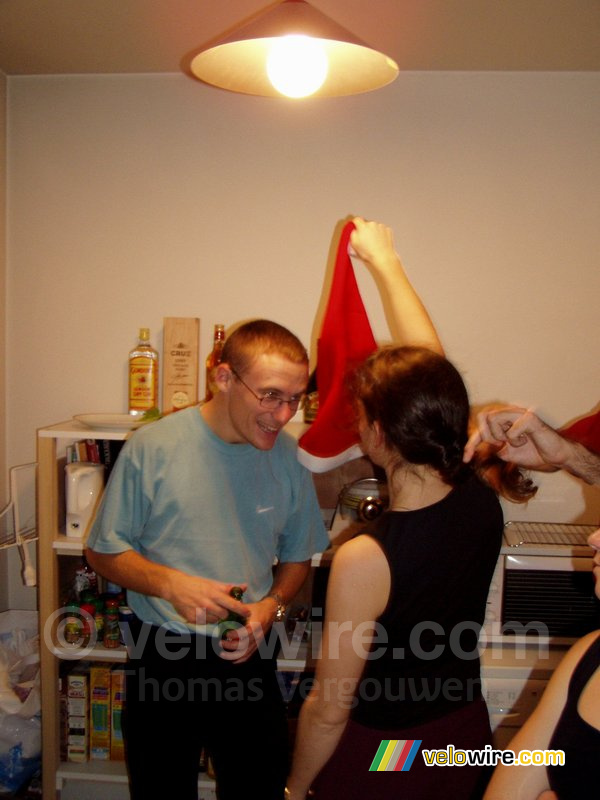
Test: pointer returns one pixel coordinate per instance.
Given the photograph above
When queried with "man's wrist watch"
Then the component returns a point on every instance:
(281, 606)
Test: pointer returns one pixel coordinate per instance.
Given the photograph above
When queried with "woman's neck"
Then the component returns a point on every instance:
(415, 486)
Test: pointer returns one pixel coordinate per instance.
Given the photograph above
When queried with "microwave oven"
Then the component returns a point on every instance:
(542, 591)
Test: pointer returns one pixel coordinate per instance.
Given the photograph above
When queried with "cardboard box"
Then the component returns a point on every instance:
(117, 699)
(100, 678)
(181, 343)
(77, 706)
(77, 683)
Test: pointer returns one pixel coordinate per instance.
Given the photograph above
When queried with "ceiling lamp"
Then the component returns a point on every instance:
(293, 49)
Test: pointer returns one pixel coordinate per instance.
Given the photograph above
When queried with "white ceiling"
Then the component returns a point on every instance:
(128, 36)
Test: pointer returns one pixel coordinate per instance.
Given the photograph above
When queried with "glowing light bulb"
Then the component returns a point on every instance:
(297, 65)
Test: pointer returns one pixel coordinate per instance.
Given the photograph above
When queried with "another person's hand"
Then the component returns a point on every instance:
(522, 436)
(410, 324)
(373, 243)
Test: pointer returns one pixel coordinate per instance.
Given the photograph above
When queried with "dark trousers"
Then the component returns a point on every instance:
(180, 697)
(347, 774)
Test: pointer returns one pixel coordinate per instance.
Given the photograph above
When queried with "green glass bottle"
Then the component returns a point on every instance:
(232, 621)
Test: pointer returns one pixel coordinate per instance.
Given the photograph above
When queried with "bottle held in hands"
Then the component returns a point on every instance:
(232, 621)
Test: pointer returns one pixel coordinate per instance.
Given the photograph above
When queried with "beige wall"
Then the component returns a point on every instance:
(13, 594)
(3, 483)
(133, 198)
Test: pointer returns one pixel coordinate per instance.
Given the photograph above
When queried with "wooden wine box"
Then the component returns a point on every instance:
(181, 347)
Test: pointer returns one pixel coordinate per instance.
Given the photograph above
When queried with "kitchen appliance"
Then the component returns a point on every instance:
(542, 591)
(363, 499)
(84, 484)
(513, 680)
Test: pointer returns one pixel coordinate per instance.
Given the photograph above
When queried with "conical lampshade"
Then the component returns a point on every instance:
(238, 62)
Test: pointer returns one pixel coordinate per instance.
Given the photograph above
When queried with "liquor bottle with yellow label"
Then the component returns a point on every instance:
(214, 359)
(143, 376)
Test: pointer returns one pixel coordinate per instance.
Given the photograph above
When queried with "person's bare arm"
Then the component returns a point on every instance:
(408, 319)
(510, 782)
(357, 593)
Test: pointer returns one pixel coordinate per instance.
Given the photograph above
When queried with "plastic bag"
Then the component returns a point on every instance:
(20, 707)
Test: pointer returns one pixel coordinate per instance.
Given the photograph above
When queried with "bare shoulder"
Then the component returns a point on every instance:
(574, 655)
(361, 553)
(555, 696)
(559, 682)
(360, 573)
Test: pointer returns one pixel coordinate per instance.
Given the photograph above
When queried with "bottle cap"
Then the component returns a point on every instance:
(144, 334)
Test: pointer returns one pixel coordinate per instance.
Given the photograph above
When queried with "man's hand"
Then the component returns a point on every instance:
(198, 600)
(202, 600)
(243, 642)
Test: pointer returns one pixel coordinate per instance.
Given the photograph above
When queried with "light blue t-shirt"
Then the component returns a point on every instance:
(181, 496)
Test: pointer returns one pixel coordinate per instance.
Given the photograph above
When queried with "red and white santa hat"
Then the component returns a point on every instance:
(346, 340)
(586, 431)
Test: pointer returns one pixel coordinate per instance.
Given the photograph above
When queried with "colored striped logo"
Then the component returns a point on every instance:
(395, 755)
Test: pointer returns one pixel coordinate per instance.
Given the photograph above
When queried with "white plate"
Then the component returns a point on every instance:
(109, 421)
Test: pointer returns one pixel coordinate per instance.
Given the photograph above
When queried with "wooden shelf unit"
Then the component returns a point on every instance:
(54, 545)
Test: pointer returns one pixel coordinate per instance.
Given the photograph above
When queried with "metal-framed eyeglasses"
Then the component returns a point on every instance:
(272, 401)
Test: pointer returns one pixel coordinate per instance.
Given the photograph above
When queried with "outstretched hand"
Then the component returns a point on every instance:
(523, 438)
(373, 243)
(410, 324)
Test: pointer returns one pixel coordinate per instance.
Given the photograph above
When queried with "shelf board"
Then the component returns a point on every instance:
(74, 545)
(72, 429)
(104, 772)
(97, 653)
(294, 656)
(296, 427)
(322, 559)
(68, 545)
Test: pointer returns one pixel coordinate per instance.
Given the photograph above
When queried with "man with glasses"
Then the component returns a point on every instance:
(206, 499)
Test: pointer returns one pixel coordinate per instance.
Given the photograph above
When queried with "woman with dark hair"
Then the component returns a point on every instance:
(406, 600)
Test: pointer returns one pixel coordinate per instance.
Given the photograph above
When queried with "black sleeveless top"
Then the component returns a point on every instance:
(579, 740)
(424, 664)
